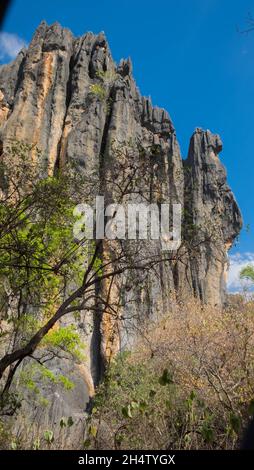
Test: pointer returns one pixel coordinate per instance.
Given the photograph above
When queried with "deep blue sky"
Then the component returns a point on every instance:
(188, 56)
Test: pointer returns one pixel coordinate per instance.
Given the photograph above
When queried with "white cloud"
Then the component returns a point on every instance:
(10, 45)
(237, 262)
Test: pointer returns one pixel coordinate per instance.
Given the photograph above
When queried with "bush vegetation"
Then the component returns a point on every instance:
(187, 385)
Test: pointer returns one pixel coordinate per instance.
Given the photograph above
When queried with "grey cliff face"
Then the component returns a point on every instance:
(212, 206)
(46, 98)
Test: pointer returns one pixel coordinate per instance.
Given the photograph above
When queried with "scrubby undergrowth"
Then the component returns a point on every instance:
(187, 385)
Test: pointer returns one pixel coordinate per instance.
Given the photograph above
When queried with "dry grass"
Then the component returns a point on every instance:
(208, 356)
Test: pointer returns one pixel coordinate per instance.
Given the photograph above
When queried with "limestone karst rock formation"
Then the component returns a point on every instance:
(47, 98)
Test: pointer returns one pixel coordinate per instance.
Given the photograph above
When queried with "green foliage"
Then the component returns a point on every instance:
(40, 261)
(14, 445)
(36, 444)
(207, 433)
(33, 376)
(93, 431)
(126, 411)
(87, 443)
(67, 383)
(247, 273)
(9, 402)
(66, 422)
(107, 76)
(99, 90)
(38, 254)
(166, 378)
(235, 422)
(39, 258)
(48, 436)
(66, 338)
(133, 396)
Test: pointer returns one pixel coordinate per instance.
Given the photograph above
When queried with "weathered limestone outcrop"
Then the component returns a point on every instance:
(213, 207)
(47, 98)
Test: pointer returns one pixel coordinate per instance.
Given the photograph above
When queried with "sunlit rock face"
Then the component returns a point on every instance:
(52, 96)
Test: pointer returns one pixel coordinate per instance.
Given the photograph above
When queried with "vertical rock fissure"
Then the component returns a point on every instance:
(97, 359)
(67, 103)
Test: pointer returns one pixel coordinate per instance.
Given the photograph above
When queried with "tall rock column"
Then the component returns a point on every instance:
(212, 213)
